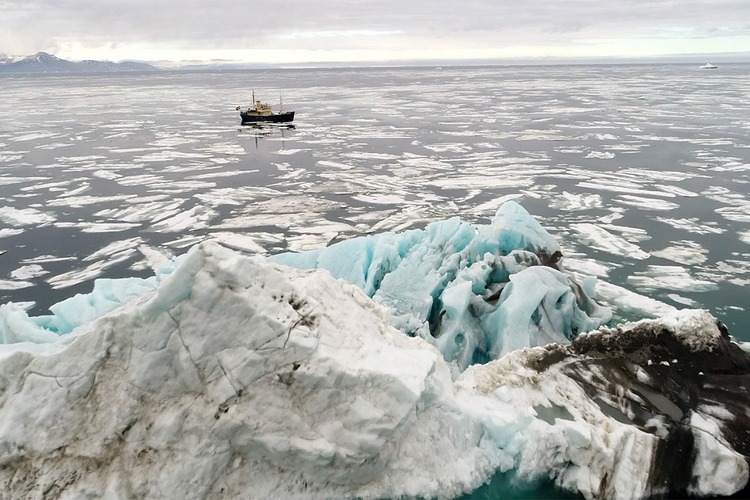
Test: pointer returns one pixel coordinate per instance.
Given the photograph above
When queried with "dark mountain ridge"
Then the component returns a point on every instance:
(43, 62)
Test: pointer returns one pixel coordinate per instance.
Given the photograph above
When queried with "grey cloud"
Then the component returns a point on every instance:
(239, 23)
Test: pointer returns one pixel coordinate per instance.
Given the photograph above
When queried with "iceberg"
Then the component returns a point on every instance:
(235, 376)
(475, 292)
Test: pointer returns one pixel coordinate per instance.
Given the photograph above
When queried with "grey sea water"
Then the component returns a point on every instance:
(642, 172)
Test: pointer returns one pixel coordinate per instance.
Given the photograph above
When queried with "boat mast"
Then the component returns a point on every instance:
(281, 105)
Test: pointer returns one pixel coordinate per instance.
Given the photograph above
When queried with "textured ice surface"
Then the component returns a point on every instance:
(474, 291)
(230, 377)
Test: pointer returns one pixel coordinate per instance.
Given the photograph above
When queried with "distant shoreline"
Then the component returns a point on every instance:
(43, 63)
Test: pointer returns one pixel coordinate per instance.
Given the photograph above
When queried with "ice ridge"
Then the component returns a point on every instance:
(475, 292)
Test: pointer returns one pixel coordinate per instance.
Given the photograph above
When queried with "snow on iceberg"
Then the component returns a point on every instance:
(475, 292)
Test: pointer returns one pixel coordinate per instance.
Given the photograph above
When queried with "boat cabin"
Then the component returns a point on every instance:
(261, 109)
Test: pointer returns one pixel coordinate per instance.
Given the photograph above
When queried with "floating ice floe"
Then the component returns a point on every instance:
(24, 217)
(228, 376)
(601, 239)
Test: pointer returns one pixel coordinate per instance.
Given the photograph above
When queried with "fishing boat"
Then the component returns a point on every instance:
(708, 66)
(261, 112)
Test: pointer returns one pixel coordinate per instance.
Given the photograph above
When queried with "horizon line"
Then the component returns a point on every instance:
(169, 64)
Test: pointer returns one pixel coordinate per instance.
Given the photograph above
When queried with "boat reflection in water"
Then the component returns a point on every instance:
(267, 130)
(264, 129)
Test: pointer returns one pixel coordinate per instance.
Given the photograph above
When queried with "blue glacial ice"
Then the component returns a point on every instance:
(73, 312)
(475, 292)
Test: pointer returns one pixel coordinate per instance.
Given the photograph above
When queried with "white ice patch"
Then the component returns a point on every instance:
(458, 181)
(28, 272)
(77, 276)
(587, 267)
(677, 191)
(647, 203)
(197, 217)
(293, 205)
(682, 300)
(289, 152)
(381, 199)
(225, 148)
(165, 156)
(598, 136)
(367, 155)
(735, 271)
(336, 165)
(143, 210)
(675, 278)
(692, 225)
(740, 213)
(51, 186)
(25, 217)
(449, 147)
(98, 227)
(44, 259)
(7, 181)
(81, 201)
(622, 186)
(543, 135)
(224, 173)
(407, 217)
(574, 202)
(7, 232)
(33, 136)
(601, 239)
(185, 241)
(14, 285)
(10, 157)
(601, 155)
(684, 252)
(115, 248)
(630, 304)
(237, 241)
(424, 163)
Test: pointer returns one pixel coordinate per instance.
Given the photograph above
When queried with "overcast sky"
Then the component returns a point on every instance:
(294, 31)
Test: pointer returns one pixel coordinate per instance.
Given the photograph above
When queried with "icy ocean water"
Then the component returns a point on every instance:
(642, 172)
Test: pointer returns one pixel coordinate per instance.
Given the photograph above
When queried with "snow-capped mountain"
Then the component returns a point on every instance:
(42, 62)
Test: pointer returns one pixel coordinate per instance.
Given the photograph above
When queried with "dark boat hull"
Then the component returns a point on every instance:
(275, 118)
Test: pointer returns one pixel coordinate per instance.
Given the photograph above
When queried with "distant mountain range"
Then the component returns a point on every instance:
(43, 62)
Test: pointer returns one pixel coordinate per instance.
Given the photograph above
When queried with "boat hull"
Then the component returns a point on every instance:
(274, 118)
